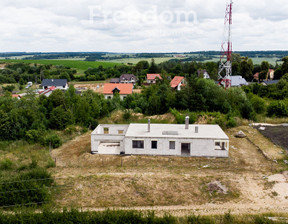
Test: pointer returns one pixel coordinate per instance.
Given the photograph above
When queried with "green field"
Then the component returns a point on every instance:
(256, 60)
(136, 60)
(79, 65)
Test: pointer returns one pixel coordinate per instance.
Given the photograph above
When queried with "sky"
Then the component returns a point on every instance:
(140, 25)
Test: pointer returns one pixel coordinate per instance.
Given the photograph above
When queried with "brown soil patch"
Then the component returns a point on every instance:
(277, 134)
(175, 184)
(97, 87)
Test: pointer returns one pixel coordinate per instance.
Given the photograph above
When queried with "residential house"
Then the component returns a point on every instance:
(122, 89)
(127, 78)
(256, 76)
(47, 92)
(152, 78)
(115, 80)
(269, 82)
(177, 82)
(270, 74)
(160, 139)
(17, 96)
(57, 83)
(237, 81)
(202, 73)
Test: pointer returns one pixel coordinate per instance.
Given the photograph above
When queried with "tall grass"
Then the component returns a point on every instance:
(131, 217)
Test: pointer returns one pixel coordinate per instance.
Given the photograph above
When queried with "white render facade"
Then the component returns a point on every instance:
(160, 139)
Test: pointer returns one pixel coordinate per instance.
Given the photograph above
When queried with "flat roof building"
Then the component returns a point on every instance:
(160, 139)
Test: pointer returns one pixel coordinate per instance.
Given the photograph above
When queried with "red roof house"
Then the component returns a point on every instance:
(177, 82)
(151, 78)
(47, 92)
(123, 89)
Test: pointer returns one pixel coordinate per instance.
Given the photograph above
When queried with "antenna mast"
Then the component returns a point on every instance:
(226, 51)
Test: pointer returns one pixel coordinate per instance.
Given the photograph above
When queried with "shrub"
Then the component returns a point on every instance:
(8, 88)
(32, 136)
(258, 104)
(6, 164)
(27, 188)
(70, 130)
(52, 140)
(126, 115)
(278, 109)
(231, 123)
(33, 164)
(51, 163)
(138, 110)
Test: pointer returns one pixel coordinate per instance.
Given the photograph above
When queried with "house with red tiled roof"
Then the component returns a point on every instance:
(110, 89)
(48, 91)
(177, 82)
(152, 78)
(256, 76)
(16, 96)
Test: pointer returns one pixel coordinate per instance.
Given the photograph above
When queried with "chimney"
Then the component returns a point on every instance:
(149, 122)
(196, 129)
(187, 122)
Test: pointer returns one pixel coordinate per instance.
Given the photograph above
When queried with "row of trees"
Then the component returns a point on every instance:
(32, 116)
(22, 73)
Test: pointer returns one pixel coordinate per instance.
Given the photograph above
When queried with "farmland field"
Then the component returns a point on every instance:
(80, 65)
(136, 60)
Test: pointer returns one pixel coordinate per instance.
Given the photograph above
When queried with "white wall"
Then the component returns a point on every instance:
(111, 96)
(58, 87)
(98, 136)
(198, 147)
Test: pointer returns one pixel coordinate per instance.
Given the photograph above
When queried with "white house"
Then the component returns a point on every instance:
(160, 139)
(58, 83)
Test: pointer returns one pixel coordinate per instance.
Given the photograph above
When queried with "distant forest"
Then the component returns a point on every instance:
(94, 56)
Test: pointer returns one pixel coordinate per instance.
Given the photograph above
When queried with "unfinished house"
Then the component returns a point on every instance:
(160, 139)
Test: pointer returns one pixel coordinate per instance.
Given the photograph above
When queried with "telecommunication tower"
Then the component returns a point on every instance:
(225, 67)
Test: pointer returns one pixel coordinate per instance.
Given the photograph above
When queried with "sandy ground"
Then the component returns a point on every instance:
(173, 184)
(98, 87)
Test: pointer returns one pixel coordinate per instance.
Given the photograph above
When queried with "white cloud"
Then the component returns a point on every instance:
(140, 26)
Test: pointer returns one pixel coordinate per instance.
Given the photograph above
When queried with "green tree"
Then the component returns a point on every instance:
(153, 67)
(246, 69)
(59, 118)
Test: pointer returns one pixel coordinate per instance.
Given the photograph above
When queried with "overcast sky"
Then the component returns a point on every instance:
(140, 26)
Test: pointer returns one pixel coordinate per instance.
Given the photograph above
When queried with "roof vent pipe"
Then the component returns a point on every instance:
(149, 122)
(187, 122)
(196, 129)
